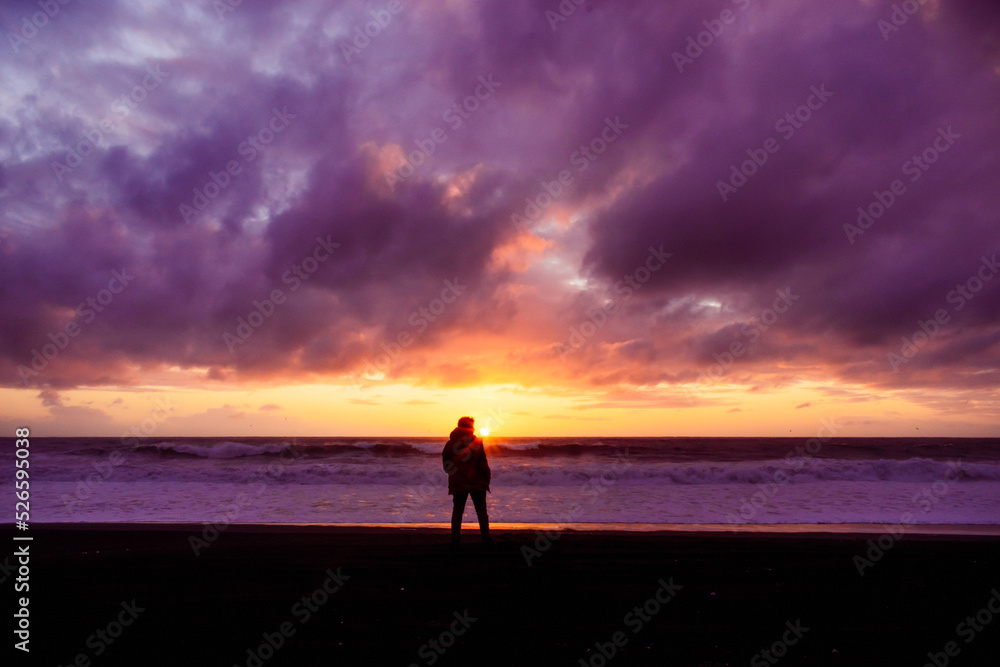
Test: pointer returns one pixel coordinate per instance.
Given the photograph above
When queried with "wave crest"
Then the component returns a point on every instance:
(222, 450)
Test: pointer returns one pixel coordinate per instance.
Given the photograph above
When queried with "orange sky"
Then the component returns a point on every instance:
(798, 409)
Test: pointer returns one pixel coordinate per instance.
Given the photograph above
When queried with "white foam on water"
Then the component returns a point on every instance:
(818, 502)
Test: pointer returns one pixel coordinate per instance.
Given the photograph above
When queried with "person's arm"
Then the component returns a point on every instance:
(446, 461)
(484, 465)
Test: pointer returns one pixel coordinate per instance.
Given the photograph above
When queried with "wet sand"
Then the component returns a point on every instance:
(358, 595)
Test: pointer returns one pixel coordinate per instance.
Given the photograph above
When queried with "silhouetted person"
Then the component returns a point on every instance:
(464, 459)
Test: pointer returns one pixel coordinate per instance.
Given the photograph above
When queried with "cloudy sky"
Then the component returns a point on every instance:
(313, 218)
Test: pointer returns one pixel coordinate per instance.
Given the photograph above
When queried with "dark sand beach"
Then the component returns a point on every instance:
(396, 596)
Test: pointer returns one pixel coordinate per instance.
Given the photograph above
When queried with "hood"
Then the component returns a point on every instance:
(462, 437)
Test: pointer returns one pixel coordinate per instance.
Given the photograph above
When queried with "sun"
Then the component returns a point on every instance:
(484, 431)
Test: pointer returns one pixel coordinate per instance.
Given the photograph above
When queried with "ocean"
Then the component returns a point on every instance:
(535, 480)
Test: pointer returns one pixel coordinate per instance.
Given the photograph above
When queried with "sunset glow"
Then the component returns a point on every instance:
(248, 225)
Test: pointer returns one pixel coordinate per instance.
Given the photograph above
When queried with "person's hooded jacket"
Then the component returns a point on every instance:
(464, 459)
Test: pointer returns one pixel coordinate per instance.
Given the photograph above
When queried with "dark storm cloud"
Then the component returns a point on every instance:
(785, 226)
(208, 133)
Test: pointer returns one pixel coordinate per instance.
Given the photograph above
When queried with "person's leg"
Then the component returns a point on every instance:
(479, 500)
(458, 509)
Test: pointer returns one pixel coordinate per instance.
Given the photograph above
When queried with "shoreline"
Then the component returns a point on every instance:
(790, 529)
